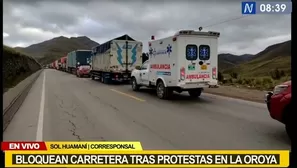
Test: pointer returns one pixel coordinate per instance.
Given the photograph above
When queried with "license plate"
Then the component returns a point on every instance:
(203, 67)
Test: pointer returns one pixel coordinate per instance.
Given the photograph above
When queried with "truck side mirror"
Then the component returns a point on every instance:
(137, 67)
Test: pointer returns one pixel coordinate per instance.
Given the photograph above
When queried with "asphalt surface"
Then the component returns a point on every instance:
(62, 107)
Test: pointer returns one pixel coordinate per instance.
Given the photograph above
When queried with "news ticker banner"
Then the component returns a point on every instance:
(131, 154)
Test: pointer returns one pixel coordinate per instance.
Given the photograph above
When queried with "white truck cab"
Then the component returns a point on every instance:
(187, 61)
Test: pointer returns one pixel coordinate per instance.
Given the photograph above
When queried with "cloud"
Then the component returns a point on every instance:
(5, 35)
(36, 21)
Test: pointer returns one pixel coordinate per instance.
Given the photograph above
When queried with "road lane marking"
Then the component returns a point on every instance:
(39, 133)
(128, 95)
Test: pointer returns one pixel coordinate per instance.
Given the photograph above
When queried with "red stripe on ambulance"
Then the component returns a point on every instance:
(160, 66)
(198, 76)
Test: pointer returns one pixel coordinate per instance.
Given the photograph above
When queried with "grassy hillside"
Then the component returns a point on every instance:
(277, 56)
(50, 50)
(266, 69)
(16, 67)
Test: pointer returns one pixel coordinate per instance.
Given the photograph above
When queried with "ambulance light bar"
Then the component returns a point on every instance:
(214, 33)
(192, 32)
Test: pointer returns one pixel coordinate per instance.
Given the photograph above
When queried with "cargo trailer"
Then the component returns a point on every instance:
(63, 63)
(78, 62)
(56, 64)
(59, 65)
(114, 60)
(52, 65)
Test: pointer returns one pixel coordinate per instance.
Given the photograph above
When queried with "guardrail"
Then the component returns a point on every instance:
(14, 97)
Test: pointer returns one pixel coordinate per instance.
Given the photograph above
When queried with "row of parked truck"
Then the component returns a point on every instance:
(186, 61)
(112, 61)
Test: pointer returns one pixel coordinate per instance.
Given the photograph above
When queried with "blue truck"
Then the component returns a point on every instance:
(78, 62)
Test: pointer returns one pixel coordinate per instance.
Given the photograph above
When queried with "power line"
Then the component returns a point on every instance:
(225, 21)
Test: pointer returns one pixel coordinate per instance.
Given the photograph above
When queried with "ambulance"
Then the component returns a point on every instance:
(187, 61)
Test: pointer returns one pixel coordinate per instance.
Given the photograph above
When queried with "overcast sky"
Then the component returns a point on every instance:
(34, 21)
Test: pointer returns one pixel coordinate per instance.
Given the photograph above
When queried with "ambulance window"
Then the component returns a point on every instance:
(144, 66)
(191, 52)
(204, 52)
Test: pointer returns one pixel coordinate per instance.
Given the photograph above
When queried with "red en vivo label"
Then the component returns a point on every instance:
(198, 76)
(160, 66)
(23, 146)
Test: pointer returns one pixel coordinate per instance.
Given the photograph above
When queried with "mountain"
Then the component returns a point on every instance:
(227, 61)
(277, 56)
(50, 50)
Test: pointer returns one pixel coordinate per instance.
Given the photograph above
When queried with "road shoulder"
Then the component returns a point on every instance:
(23, 126)
(239, 93)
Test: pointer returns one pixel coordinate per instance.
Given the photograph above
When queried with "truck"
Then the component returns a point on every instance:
(63, 63)
(78, 62)
(59, 64)
(56, 64)
(186, 61)
(114, 60)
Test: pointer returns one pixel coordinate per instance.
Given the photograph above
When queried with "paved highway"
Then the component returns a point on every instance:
(62, 107)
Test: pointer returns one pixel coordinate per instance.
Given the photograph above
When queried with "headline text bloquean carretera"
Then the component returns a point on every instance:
(161, 159)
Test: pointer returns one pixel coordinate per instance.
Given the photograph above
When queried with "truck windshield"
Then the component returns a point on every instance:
(83, 57)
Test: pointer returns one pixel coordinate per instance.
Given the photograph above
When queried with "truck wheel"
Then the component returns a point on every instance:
(162, 91)
(195, 93)
(135, 86)
(93, 77)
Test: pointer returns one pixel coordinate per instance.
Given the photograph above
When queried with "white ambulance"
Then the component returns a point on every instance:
(187, 61)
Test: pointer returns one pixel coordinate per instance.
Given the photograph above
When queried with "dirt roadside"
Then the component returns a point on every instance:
(237, 92)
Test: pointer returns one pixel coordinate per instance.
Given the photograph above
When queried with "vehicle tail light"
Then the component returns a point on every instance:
(182, 73)
(214, 73)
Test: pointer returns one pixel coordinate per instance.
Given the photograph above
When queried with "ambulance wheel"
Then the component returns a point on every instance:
(195, 93)
(162, 91)
(135, 86)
